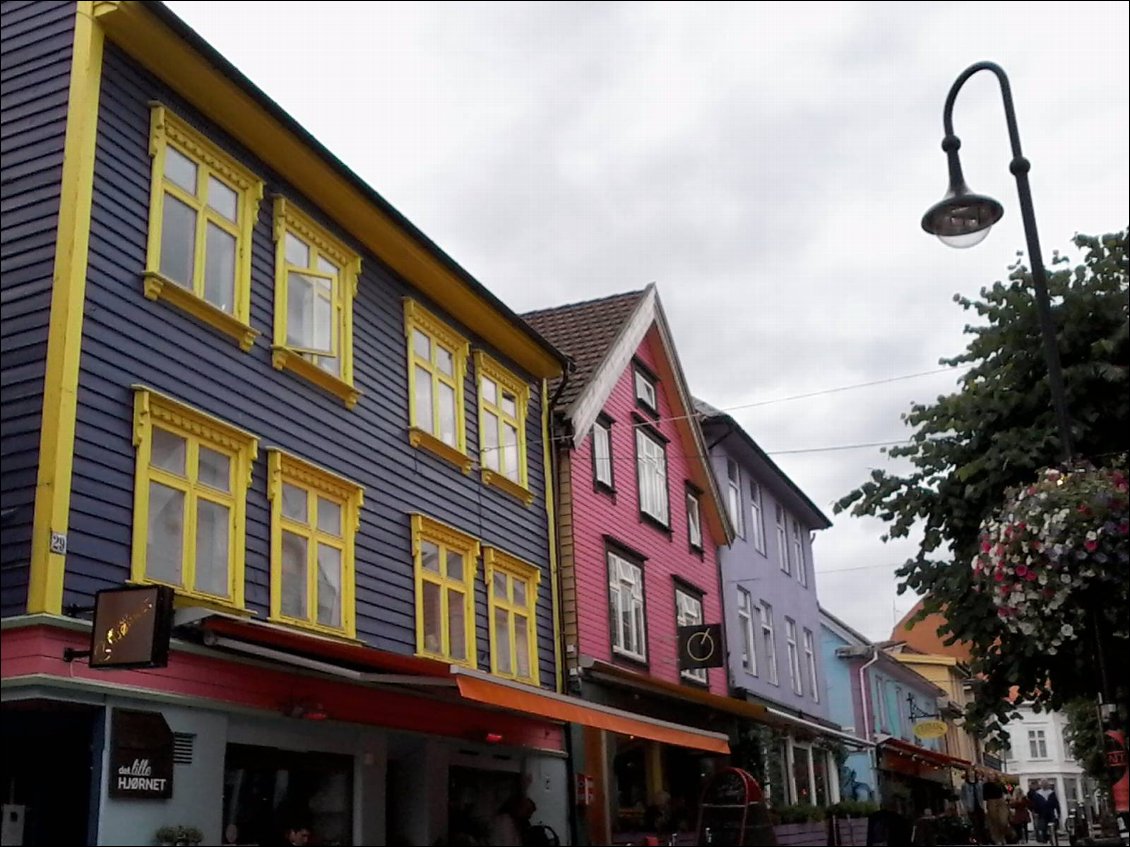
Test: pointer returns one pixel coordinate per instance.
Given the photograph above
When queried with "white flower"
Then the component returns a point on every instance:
(1067, 630)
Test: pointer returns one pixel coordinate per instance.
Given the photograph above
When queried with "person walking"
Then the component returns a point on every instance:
(996, 810)
(973, 802)
(1020, 816)
(1050, 812)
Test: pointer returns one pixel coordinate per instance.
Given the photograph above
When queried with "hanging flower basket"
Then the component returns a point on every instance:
(1057, 547)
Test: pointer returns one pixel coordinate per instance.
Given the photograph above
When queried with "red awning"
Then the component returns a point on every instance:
(913, 751)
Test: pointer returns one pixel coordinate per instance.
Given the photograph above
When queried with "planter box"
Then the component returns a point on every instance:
(796, 834)
(851, 832)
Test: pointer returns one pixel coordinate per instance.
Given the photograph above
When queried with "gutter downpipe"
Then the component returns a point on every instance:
(863, 694)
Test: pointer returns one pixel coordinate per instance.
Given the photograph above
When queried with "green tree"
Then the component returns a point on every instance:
(1084, 737)
(995, 433)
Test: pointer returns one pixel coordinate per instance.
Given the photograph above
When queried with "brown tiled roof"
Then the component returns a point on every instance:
(585, 332)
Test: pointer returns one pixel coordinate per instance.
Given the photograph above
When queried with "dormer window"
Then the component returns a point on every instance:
(646, 395)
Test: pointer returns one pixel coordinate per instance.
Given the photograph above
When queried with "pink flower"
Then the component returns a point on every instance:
(1021, 571)
(986, 546)
(999, 576)
(1031, 576)
(1091, 546)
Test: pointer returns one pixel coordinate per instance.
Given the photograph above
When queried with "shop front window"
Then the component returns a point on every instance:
(820, 777)
(802, 774)
(267, 790)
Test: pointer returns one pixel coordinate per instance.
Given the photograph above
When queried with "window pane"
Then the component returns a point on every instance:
(521, 646)
(498, 583)
(509, 404)
(299, 311)
(490, 390)
(617, 617)
(178, 241)
(222, 199)
(323, 315)
(214, 469)
(327, 267)
(297, 251)
(294, 576)
(164, 550)
(423, 389)
(329, 364)
(180, 169)
(212, 544)
(329, 585)
(502, 640)
(219, 269)
(429, 556)
(456, 615)
(454, 565)
(294, 503)
(510, 452)
(489, 436)
(168, 451)
(637, 607)
(444, 361)
(601, 446)
(447, 414)
(519, 592)
(329, 516)
(421, 345)
(433, 632)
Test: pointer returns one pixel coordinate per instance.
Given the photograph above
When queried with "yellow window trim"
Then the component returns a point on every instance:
(495, 559)
(152, 407)
(289, 218)
(166, 128)
(284, 467)
(485, 366)
(429, 529)
(419, 435)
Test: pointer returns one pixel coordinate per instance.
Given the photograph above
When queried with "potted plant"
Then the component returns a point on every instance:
(174, 836)
(800, 824)
(167, 836)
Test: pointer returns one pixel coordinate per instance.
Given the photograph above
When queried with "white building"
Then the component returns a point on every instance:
(1038, 750)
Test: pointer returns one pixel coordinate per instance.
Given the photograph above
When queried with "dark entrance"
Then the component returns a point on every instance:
(266, 789)
(50, 749)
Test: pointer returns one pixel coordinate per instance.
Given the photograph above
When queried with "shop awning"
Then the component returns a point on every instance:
(778, 716)
(673, 690)
(367, 665)
(503, 694)
(907, 750)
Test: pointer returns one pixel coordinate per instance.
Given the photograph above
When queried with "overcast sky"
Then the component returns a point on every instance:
(765, 164)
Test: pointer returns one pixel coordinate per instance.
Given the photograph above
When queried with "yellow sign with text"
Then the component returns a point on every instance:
(930, 729)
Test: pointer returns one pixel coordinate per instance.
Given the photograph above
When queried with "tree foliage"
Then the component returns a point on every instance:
(996, 432)
(1084, 737)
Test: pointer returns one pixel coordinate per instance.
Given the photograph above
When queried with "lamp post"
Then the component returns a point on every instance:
(962, 219)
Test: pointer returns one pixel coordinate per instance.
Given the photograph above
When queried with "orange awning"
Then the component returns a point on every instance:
(547, 704)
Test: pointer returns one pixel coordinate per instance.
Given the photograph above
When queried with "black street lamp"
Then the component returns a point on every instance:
(962, 219)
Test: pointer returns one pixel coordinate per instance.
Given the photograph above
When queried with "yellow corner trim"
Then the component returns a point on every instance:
(551, 525)
(64, 335)
(507, 485)
(284, 358)
(419, 438)
(158, 287)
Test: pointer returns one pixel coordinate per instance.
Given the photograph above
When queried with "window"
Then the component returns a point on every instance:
(190, 499)
(645, 391)
(798, 555)
(884, 719)
(202, 207)
(651, 466)
(745, 631)
(694, 521)
(757, 523)
(688, 612)
(503, 401)
(314, 519)
(512, 593)
(625, 591)
(794, 656)
(765, 612)
(315, 283)
(1037, 744)
(602, 452)
(900, 708)
(445, 561)
(782, 541)
(734, 496)
(810, 662)
(437, 359)
(802, 773)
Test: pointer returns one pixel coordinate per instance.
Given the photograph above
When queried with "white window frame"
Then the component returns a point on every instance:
(734, 497)
(810, 660)
(794, 657)
(688, 612)
(798, 559)
(645, 390)
(625, 581)
(783, 540)
(765, 612)
(757, 519)
(745, 626)
(602, 465)
(651, 473)
(694, 521)
(1037, 744)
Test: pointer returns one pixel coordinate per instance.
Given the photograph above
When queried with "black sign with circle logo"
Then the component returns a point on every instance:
(701, 646)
